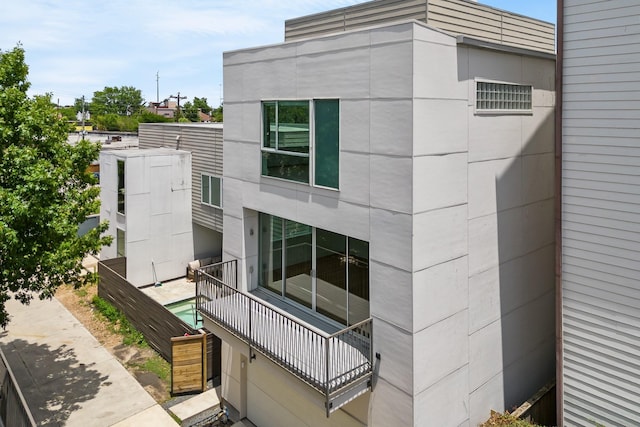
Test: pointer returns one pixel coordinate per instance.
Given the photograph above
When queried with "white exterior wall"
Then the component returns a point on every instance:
(157, 219)
(600, 213)
(440, 195)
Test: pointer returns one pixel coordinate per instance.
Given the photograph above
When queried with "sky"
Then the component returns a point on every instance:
(162, 47)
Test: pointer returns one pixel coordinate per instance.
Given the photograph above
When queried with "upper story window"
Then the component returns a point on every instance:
(493, 97)
(211, 191)
(297, 148)
(121, 189)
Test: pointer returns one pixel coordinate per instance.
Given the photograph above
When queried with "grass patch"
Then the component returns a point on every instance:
(158, 366)
(119, 323)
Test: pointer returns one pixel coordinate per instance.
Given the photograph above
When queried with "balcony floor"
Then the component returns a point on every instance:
(304, 315)
(291, 344)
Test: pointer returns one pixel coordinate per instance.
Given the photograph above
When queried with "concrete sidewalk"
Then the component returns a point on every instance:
(67, 377)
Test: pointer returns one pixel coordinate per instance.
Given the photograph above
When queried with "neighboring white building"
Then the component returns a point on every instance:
(600, 282)
(204, 142)
(146, 197)
(389, 199)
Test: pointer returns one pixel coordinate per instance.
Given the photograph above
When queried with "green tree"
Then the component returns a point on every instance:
(190, 109)
(67, 113)
(189, 112)
(45, 192)
(217, 115)
(123, 101)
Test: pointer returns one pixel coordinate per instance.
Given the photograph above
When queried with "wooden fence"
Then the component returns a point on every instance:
(152, 319)
(541, 407)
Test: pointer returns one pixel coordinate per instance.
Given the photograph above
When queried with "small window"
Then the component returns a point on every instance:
(121, 189)
(121, 243)
(501, 97)
(211, 191)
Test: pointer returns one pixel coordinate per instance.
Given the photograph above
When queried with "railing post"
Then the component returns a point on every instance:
(326, 384)
(250, 331)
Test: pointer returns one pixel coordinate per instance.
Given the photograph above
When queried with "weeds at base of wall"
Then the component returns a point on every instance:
(119, 323)
(498, 419)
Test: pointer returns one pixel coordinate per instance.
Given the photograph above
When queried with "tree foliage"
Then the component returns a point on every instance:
(46, 191)
(190, 109)
(123, 101)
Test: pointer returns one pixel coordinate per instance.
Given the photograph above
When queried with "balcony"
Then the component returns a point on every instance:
(338, 365)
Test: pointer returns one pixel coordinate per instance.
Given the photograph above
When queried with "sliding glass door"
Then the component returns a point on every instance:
(321, 270)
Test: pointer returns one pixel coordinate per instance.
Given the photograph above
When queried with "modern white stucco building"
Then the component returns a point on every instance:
(600, 282)
(204, 142)
(146, 197)
(389, 200)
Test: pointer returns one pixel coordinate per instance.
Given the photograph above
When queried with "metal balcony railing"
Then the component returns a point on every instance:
(338, 365)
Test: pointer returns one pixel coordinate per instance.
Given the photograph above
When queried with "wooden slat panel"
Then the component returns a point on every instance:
(188, 367)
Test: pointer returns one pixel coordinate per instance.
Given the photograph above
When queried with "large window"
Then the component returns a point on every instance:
(502, 97)
(211, 191)
(287, 138)
(121, 189)
(324, 271)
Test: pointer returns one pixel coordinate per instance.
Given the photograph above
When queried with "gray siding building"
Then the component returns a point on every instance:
(600, 285)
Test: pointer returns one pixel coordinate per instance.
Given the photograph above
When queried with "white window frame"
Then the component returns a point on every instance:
(501, 111)
(312, 137)
(210, 176)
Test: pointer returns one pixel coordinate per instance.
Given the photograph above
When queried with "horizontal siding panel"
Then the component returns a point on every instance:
(605, 262)
(594, 278)
(580, 63)
(606, 36)
(607, 216)
(616, 77)
(601, 408)
(609, 50)
(576, 172)
(572, 131)
(587, 264)
(612, 114)
(629, 189)
(605, 304)
(455, 16)
(601, 159)
(603, 149)
(603, 123)
(592, 238)
(598, 203)
(625, 201)
(585, 11)
(587, 96)
(605, 68)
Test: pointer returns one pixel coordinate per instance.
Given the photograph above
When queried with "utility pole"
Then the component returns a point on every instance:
(178, 98)
(83, 114)
(158, 86)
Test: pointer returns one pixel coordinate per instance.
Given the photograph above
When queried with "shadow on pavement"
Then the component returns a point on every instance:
(52, 380)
